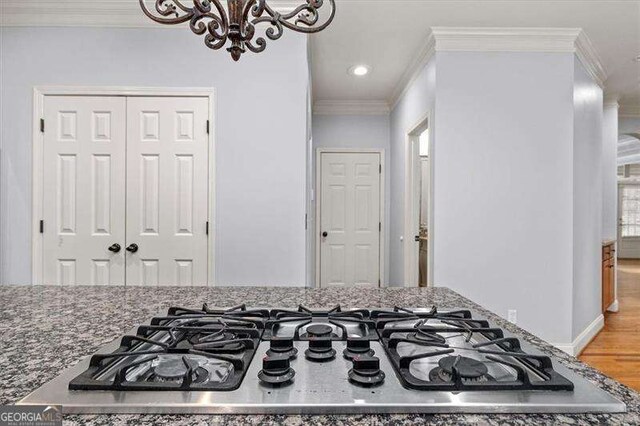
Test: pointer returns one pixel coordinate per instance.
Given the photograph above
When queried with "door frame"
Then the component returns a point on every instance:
(620, 245)
(318, 192)
(39, 93)
(411, 257)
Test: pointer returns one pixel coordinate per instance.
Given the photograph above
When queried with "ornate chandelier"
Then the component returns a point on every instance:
(237, 23)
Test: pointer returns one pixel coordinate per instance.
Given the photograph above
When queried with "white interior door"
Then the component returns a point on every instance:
(84, 202)
(349, 219)
(167, 190)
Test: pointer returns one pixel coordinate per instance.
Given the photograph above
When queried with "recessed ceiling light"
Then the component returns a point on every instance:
(359, 70)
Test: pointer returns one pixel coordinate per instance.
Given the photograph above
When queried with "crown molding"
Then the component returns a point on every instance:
(351, 108)
(629, 111)
(420, 60)
(82, 13)
(481, 39)
(611, 101)
(590, 59)
(549, 40)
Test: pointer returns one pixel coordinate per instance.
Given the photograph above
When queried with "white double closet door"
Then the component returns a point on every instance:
(125, 191)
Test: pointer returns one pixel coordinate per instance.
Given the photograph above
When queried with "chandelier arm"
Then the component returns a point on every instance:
(203, 6)
(276, 28)
(306, 17)
(213, 42)
(260, 45)
(215, 22)
(257, 9)
(179, 4)
(166, 9)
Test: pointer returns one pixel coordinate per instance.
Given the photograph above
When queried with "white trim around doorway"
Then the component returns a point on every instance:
(39, 93)
(318, 198)
(411, 263)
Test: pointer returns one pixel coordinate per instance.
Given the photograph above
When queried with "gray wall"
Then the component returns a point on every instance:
(353, 131)
(587, 199)
(504, 156)
(260, 135)
(415, 104)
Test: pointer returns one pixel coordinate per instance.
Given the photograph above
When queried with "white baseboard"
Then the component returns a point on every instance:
(583, 338)
(615, 306)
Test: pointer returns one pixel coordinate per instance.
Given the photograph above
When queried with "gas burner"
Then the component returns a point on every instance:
(306, 324)
(282, 347)
(320, 350)
(468, 369)
(173, 368)
(319, 330)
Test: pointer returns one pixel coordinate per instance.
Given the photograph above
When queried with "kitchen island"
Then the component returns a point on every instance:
(47, 329)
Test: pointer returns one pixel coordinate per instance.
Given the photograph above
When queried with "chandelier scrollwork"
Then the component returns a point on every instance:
(238, 21)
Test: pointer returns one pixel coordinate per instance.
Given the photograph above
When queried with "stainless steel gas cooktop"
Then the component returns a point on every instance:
(396, 360)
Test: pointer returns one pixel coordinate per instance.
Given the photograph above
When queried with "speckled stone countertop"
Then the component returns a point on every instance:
(47, 329)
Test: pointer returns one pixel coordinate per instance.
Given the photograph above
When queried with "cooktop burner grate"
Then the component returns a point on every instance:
(210, 349)
(305, 324)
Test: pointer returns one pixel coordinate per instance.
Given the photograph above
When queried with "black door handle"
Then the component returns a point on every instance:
(115, 248)
(324, 234)
(132, 248)
(416, 238)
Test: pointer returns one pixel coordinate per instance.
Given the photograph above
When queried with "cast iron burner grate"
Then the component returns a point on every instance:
(428, 334)
(305, 324)
(185, 350)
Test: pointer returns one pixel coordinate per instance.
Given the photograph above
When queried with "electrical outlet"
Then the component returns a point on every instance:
(512, 316)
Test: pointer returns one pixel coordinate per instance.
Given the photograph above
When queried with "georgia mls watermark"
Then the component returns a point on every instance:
(30, 415)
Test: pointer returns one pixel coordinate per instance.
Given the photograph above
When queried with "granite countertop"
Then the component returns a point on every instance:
(47, 329)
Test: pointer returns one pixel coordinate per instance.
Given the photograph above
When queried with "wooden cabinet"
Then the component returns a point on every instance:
(608, 275)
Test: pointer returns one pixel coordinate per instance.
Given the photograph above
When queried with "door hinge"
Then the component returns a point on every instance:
(306, 221)
(42, 226)
(207, 228)
(378, 282)
(380, 168)
(42, 125)
(379, 226)
(207, 126)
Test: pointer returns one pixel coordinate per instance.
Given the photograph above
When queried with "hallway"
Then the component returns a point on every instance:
(616, 349)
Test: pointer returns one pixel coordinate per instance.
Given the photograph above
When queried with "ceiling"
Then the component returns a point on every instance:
(387, 34)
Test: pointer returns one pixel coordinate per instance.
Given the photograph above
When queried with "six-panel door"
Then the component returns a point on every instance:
(84, 197)
(131, 172)
(349, 219)
(167, 186)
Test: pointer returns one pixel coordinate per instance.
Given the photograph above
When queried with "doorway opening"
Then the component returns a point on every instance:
(418, 236)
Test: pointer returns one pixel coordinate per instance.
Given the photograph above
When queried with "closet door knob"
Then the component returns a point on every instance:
(115, 248)
(132, 248)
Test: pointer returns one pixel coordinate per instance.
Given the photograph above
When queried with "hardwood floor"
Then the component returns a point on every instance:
(616, 349)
